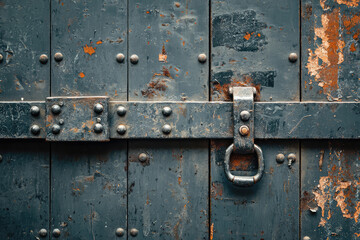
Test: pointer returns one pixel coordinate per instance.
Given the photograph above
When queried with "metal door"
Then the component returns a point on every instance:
(150, 164)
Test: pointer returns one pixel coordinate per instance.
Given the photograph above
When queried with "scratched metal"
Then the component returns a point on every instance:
(77, 119)
(16, 119)
(168, 36)
(24, 184)
(251, 42)
(88, 189)
(24, 36)
(330, 190)
(89, 34)
(330, 52)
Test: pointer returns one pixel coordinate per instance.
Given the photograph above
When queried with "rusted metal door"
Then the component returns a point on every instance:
(115, 117)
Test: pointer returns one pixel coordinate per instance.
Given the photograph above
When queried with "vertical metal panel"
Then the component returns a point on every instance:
(168, 197)
(88, 189)
(251, 42)
(24, 184)
(89, 34)
(24, 36)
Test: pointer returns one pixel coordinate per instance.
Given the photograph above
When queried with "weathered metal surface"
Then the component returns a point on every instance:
(89, 35)
(251, 42)
(88, 189)
(330, 190)
(24, 37)
(77, 119)
(331, 59)
(16, 119)
(24, 184)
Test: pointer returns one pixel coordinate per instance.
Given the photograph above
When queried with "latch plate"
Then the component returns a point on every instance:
(77, 119)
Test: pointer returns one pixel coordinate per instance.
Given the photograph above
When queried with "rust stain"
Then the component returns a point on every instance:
(247, 36)
(81, 75)
(163, 55)
(177, 4)
(89, 49)
(349, 3)
(212, 231)
(89, 179)
(217, 190)
(351, 25)
(357, 234)
(321, 159)
(99, 42)
(179, 180)
(352, 47)
(240, 162)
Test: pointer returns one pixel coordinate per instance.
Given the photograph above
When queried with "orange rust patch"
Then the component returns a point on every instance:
(179, 180)
(183, 43)
(247, 36)
(162, 55)
(162, 15)
(217, 190)
(89, 49)
(212, 231)
(352, 47)
(240, 162)
(349, 3)
(99, 42)
(81, 75)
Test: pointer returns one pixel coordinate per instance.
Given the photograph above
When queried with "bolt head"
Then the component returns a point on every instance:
(292, 157)
(134, 59)
(293, 57)
(58, 57)
(166, 111)
(35, 129)
(280, 158)
(43, 58)
(121, 129)
(55, 109)
(120, 58)
(42, 232)
(166, 129)
(245, 115)
(306, 238)
(98, 128)
(1, 58)
(134, 232)
(120, 232)
(121, 111)
(202, 58)
(143, 157)
(35, 111)
(56, 232)
(244, 130)
(56, 129)
(61, 121)
(98, 108)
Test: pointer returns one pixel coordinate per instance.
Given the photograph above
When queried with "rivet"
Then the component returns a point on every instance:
(314, 209)
(98, 120)
(134, 232)
(293, 57)
(244, 130)
(56, 232)
(306, 238)
(167, 111)
(134, 59)
(1, 58)
(291, 158)
(58, 57)
(61, 121)
(120, 232)
(121, 111)
(120, 58)
(35, 129)
(245, 115)
(1, 158)
(166, 129)
(202, 57)
(43, 58)
(35, 110)
(55, 109)
(143, 157)
(42, 232)
(98, 128)
(98, 108)
(121, 129)
(280, 158)
(55, 129)
(61, 103)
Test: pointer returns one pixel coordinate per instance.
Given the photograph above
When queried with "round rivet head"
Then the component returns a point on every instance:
(121, 129)
(134, 232)
(292, 157)
(55, 109)
(98, 108)
(42, 232)
(134, 59)
(306, 238)
(35, 129)
(1, 58)
(35, 110)
(143, 157)
(43, 58)
(166, 129)
(245, 115)
(280, 158)
(120, 58)
(55, 129)
(56, 232)
(61, 121)
(244, 130)
(1, 158)
(293, 57)
(58, 57)
(121, 111)
(167, 111)
(98, 128)
(202, 57)
(120, 232)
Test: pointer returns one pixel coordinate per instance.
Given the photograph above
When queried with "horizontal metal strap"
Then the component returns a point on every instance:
(208, 120)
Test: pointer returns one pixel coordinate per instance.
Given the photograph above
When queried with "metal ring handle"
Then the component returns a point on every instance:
(244, 181)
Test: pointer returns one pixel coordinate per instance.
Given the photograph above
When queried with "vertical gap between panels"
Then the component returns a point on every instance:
(300, 90)
(209, 141)
(50, 159)
(127, 98)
